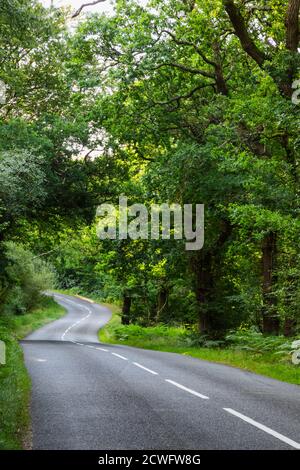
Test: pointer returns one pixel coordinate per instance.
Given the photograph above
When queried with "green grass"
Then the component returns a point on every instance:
(173, 339)
(15, 383)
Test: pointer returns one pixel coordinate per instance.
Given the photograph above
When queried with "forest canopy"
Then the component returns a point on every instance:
(178, 102)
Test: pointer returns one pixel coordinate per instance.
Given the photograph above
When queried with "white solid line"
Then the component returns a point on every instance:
(276, 434)
(121, 357)
(102, 349)
(187, 389)
(145, 368)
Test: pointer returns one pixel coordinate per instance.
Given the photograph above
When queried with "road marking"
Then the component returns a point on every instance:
(77, 322)
(187, 389)
(276, 434)
(145, 368)
(121, 357)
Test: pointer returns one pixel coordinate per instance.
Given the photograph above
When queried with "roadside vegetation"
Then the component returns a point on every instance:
(24, 308)
(246, 347)
(185, 102)
(14, 379)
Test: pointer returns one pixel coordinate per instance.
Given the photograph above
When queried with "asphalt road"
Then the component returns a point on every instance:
(87, 395)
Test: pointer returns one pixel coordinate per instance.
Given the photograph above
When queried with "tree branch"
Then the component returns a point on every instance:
(220, 81)
(182, 97)
(84, 5)
(182, 42)
(242, 33)
(185, 68)
(141, 155)
(292, 25)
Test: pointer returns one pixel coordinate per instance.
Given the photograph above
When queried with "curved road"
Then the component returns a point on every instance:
(87, 395)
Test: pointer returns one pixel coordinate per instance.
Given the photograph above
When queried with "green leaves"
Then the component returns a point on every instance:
(22, 180)
(173, 102)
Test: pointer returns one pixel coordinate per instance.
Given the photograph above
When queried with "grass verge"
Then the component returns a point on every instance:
(173, 339)
(15, 383)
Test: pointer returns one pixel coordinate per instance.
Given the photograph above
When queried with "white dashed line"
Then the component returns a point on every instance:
(264, 428)
(187, 389)
(260, 426)
(77, 322)
(145, 368)
(121, 357)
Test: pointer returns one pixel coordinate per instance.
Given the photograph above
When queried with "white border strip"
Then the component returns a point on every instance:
(145, 368)
(264, 428)
(187, 389)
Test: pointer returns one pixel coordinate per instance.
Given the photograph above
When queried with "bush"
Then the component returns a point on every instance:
(254, 341)
(25, 279)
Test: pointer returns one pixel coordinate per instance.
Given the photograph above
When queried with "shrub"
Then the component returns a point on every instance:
(25, 279)
(254, 341)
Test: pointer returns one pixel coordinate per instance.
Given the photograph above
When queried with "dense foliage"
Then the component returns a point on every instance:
(182, 102)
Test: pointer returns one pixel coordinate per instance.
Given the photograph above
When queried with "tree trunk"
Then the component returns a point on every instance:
(206, 272)
(292, 44)
(162, 302)
(220, 79)
(283, 79)
(292, 25)
(270, 319)
(241, 31)
(289, 327)
(204, 283)
(125, 317)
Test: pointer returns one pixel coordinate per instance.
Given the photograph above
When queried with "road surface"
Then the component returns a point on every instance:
(88, 395)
